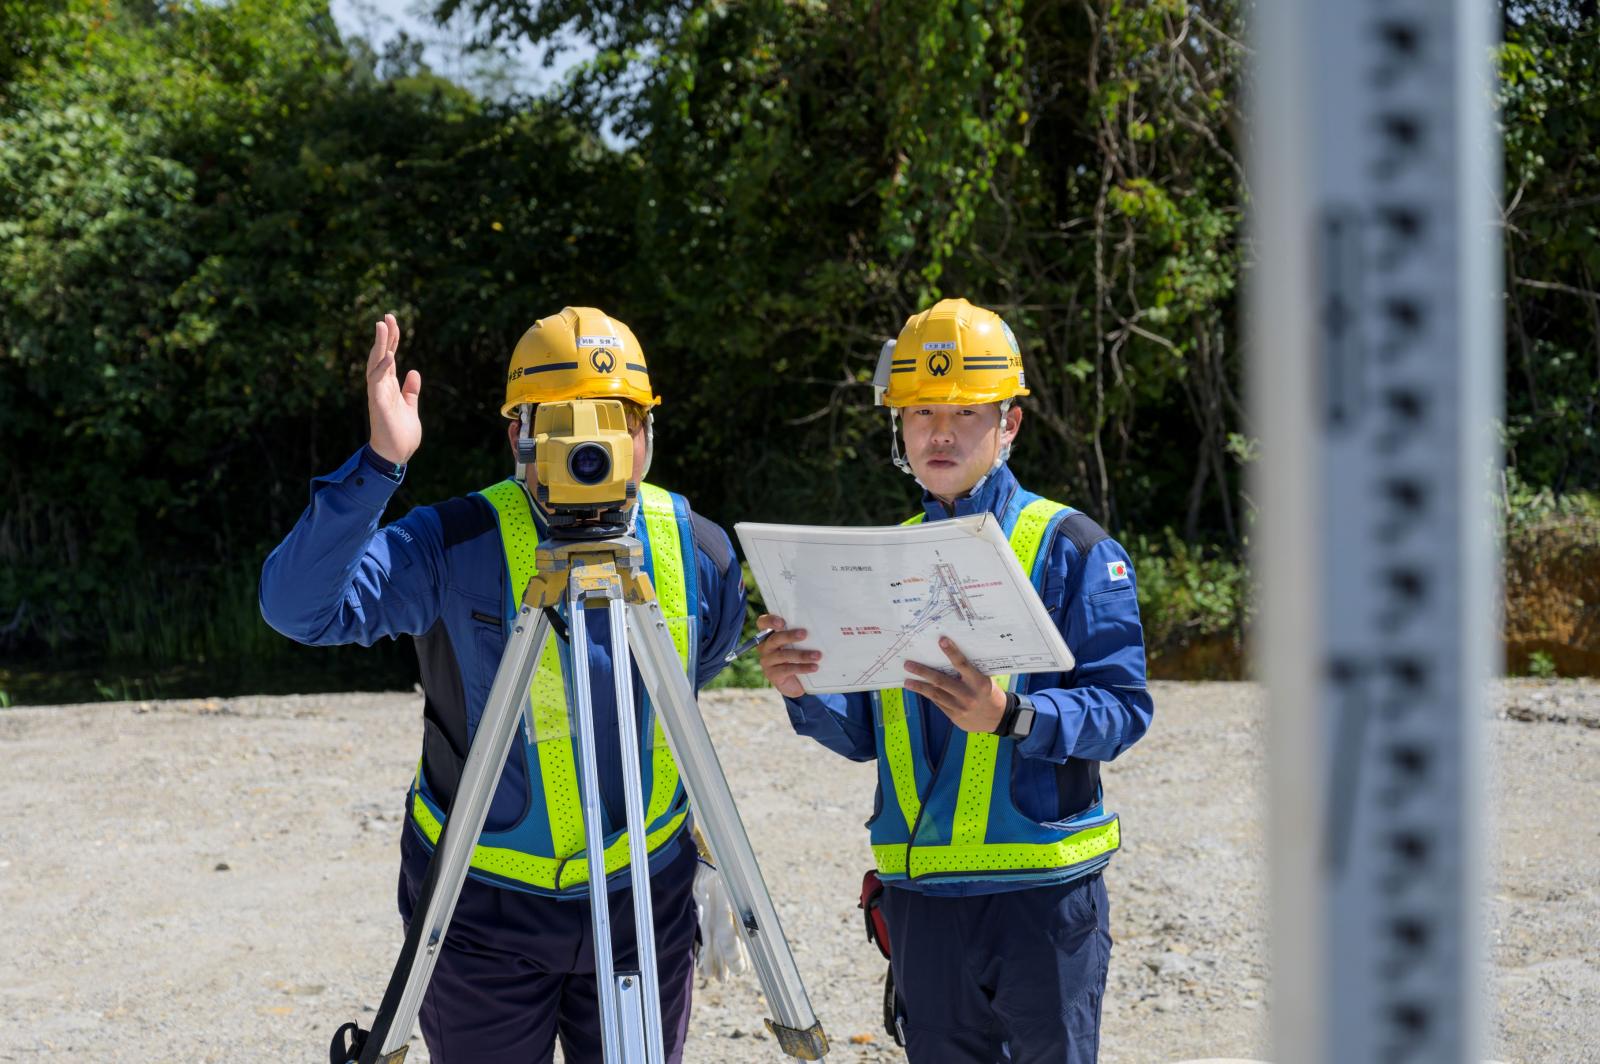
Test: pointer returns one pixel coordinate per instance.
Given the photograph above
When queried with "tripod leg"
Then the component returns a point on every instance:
(441, 888)
(638, 841)
(582, 709)
(796, 1028)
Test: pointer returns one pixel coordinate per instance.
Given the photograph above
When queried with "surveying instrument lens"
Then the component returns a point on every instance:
(589, 463)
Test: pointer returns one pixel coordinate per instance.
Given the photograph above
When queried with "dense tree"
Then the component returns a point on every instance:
(202, 210)
(204, 206)
(1550, 102)
(816, 172)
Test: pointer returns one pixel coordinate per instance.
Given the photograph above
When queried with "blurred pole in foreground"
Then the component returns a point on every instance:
(1375, 347)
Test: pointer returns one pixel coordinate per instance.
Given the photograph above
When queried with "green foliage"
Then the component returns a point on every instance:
(745, 671)
(1529, 506)
(1195, 603)
(1550, 114)
(1542, 665)
(202, 210)
(814, 173)
(204, 206)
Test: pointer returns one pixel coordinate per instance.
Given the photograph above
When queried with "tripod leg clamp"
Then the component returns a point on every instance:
(810, 1044)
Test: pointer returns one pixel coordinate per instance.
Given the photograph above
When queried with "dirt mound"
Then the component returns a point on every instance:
(1552, 574)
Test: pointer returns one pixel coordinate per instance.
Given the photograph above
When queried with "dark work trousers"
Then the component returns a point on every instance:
(1002, 977)
(517, 970)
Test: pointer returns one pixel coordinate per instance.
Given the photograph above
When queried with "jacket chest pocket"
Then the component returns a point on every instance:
(488, 644)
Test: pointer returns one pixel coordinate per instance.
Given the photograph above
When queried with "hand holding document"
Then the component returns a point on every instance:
(874, 598)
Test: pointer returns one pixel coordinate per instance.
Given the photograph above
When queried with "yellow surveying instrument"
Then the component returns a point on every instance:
(583, 453)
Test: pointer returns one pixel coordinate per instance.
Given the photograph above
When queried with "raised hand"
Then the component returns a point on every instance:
(392, 406)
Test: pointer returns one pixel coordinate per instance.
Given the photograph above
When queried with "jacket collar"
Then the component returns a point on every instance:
(991, 497)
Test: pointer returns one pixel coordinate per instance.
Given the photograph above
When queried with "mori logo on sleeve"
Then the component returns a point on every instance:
(1117, 570)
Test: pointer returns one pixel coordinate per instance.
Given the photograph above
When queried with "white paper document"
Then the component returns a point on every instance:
(872, 599)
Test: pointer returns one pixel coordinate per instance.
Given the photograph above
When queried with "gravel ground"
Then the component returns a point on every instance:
(206, 880)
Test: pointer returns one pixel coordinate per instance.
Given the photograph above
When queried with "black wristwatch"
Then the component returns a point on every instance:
(1023, 724)
(1017, 720)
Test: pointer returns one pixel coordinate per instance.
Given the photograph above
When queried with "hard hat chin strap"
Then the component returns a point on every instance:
(524, 446)
(894, 446)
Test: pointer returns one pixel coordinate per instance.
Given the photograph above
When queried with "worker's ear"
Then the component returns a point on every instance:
(1010, 424)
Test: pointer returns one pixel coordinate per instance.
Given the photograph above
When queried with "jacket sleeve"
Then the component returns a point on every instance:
(1105, 706)
(722, 597)
(842, 723)
(339, 578)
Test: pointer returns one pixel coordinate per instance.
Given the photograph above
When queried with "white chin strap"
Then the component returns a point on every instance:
(901, 463)
(649, 443)
(894, 447)
(525, 424)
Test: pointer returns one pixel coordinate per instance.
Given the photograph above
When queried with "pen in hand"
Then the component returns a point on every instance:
(749, 644)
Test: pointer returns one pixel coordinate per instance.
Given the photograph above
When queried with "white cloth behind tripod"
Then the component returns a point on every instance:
(722, 951)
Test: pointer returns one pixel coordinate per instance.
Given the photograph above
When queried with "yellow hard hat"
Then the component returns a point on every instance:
(580, 353)
(952, 353)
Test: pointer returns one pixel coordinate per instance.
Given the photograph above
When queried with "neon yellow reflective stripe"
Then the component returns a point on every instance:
(1001, 857)
(916, 520)
(541, 871)
(897, 743)
(558, 769)
(518, 533)
(672, 593)
(661, 524)
(1028, 534)
(971, 821)
(577, 871)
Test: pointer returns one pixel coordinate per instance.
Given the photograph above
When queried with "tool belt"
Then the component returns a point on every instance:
(871, 905)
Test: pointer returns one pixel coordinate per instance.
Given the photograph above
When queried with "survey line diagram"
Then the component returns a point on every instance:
(943, 599)
(871, 599)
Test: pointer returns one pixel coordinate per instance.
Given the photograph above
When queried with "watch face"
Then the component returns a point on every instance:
(1024, 723)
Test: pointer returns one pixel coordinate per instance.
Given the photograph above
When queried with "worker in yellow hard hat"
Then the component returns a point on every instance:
(581, 354)
(516, 970)
(990, 832)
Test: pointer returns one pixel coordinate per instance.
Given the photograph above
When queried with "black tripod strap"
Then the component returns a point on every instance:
(344, 1050)
(894, 1014)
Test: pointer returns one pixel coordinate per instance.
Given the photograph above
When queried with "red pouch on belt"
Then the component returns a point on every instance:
(871, 906)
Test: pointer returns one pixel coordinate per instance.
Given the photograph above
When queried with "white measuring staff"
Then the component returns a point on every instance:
(1376, 350)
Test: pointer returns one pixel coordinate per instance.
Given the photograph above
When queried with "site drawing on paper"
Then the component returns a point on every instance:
(871, 599)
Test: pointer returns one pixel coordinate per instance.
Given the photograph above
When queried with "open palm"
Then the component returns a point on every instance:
(392, 405)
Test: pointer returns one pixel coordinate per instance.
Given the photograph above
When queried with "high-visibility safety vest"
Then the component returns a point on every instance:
(956, 819)
(544, 852)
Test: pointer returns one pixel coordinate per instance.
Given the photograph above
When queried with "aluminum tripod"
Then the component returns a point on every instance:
(597, 574)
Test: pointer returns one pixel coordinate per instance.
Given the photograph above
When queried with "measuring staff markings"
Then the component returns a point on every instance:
(1393, 850)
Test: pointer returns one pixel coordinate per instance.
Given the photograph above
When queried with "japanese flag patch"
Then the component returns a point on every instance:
(1117, 570)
